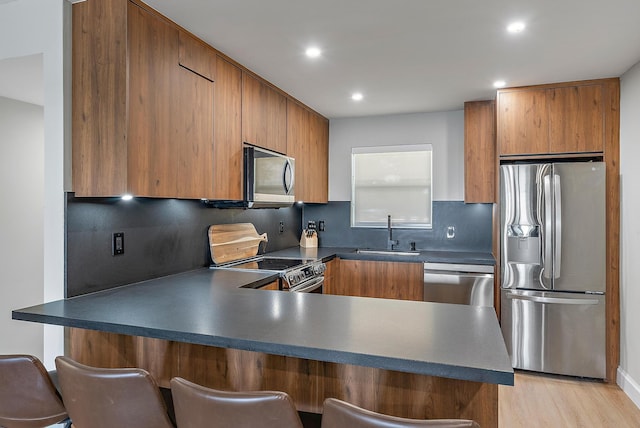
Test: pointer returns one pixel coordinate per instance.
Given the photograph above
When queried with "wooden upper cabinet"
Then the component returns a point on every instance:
(145, 97)
(193, 141)
(142, 124)
(99, 98)
(227, 160)
(523, 124)
(299, 147)
(153, 49)
(576, 119)
(307, 143)
(479, 152)
(264, 115)
(566, 118)
(197, 56)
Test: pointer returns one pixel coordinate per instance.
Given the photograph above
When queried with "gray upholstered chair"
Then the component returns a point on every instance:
(28, 397)
(111, 398)
(339, 414)
(196, 406)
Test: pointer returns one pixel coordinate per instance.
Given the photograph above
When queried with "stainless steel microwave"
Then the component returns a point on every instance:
(269, 178)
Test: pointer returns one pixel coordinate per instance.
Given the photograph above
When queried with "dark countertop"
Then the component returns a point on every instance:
(327, 253)
(208, 307)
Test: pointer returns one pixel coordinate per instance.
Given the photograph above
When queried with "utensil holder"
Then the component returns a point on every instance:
(309, 239)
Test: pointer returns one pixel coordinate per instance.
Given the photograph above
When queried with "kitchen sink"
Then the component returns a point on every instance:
(388, 252)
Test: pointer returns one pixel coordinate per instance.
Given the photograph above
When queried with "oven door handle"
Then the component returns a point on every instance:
(304, 288)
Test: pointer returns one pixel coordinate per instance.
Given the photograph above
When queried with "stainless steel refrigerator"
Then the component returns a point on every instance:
(553, 266)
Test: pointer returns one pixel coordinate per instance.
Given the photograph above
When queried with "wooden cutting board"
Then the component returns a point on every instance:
(229, 242)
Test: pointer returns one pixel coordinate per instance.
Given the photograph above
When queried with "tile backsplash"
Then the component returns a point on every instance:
(167, 236)
(161, 237)
(472, 224)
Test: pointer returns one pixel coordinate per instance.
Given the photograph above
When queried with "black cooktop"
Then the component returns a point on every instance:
(268, 263)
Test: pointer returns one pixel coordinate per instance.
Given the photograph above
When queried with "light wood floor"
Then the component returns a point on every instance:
(554, 401)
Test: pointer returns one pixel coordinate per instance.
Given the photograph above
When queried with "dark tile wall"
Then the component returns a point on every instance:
(472, 224)
(162, 237)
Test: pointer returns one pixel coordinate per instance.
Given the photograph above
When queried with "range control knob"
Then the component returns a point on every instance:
(319, 269)
(291, 279)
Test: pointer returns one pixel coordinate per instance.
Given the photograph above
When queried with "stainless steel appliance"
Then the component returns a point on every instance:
(458, 283)
(299, 275)
(268, 178)
(553, 266)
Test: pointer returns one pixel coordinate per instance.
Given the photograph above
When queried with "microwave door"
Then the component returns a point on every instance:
(270, 178)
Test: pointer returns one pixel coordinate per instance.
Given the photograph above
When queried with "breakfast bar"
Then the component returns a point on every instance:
(411, 359)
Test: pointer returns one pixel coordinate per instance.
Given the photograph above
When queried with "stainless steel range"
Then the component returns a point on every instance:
(299, 275)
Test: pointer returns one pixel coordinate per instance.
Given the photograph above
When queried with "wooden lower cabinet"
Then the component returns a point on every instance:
(308, 382)
(275, 285)
(387, 280)
(330, 275)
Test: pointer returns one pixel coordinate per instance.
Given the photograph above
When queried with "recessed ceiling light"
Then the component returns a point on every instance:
(356, 96)
(499, 84)
(313, 52)
(516, 27)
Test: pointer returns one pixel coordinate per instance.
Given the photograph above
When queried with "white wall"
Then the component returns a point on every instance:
(29, 27)
(629, 371)
(21, 223)
(444, 130)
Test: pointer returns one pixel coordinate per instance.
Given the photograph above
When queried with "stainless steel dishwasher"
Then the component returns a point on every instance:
(463, 284)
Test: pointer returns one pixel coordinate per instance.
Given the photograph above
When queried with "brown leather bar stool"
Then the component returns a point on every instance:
(28, 397)
(339, 414)
(111, 398)
(199, 407)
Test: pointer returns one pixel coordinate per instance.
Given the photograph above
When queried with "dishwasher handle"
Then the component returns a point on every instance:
(453, 268)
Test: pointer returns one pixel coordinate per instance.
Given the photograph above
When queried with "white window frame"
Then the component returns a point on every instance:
(395, 222)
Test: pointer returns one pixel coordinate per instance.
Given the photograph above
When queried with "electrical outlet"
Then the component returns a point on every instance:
(117, 244)
(321, 225)
(451, 232)
(281, 228)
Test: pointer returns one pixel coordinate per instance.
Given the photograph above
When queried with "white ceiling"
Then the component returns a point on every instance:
(403, 55)
(414, 55)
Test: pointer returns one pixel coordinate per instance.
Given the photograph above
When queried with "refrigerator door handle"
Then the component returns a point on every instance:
(546, 238)
(557, 254)
(552, 300)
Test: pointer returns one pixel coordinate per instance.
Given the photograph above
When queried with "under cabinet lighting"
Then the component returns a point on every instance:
(127, 197)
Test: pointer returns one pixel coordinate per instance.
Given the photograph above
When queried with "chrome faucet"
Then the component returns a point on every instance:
(390, 242)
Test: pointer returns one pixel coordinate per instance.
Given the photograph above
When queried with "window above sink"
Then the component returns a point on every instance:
(391, 180)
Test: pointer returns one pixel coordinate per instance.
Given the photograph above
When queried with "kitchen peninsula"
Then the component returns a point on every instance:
(412, 359)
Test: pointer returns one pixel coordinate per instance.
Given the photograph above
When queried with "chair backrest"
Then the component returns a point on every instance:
(110, 398)
(196, 406)
(28, 398)
(338, 414)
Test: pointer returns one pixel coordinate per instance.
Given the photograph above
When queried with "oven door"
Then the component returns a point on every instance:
(313, 285)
